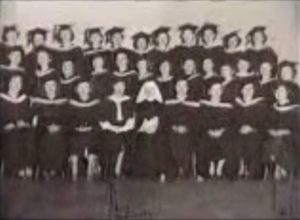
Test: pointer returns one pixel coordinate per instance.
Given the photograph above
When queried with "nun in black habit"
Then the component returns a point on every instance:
(179, 127)
(16, 130)
(50, 117)
(148, 118)
(117, 122)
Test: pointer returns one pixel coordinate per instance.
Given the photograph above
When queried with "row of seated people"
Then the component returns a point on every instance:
(250, 135)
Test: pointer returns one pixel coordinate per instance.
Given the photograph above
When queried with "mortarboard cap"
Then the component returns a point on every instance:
(188, 26)
(89, 31)
(31, 33)
(208, 26)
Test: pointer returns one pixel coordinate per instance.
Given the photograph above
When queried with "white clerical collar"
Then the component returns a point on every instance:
(117, 99)
(14, 100)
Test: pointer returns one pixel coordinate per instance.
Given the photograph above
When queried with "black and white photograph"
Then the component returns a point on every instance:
(149, 109)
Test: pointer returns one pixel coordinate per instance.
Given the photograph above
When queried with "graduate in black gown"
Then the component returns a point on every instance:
(16, 130)
(36, 38)
(179, 127)
(161, 40)
(195, 82)
(66, 49)
(281, 148)
(84, 118)
(267, 82)
(144, 72)
(15, 66)
(10, 37)
(148, 149)
(100, 77)
(211, 48)
(251, 111)
(68, 78)
(141, 45)
(43, 71)
(287, 72)
(245, 68)
(166, 80)
(231, 42)
(50, 117)
(258, 48)
(93, 38)
(115, 40)
(215, 134)
(188, 47)
(117, 122)
(124, 72)
(230, 84)
(209, 73)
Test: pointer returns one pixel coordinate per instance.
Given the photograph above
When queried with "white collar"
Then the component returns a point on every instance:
(58, 101)
(7, 67)
(220, 104)
(284, 108)
(97, 73)
(70, 80)
(160, 79)
(93, 51)
(244, 74)
(193, 76)
(119, 100)
(124, 74)
(269, 81)
(183, 102)
(251, 103)
(17, 100)
(90, 103)
(60, 48)
(40, 73)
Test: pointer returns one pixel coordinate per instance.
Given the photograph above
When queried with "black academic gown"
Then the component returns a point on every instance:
(249, 145)
(285, 148)
(37, 81)
(68, 86)
(166, 87)
(196, 87)
(266, 90)
(4, 51)
(131, 81)
(86, 115)
(230, 91)
(101, 84)
(7, 72)
(211, 149)
(18, 145)
(112, 143)
(89, 54)
(156, 57)
(147, 146)
(52, 145)
(179, 128)
(216, 53)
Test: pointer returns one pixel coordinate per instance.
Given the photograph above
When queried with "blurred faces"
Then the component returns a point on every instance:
(233, 42)
(98, 63)
(96, 39)
(15, 58)
(181, 88)
(15, 85)
(83, 91)
(188, 36)
(43, 58)
(66, 36)
(165, 69)
(208, 65)
(163, 40)
(142, 66)
(117, 40)
(142, 44)
(209, 37)
(248, 91)
(243, 65)
(119, 88)
(50, 89)
(11, 37)
(258, 38)
(287, 74)
(226, 72)
(266, 70)
(68, 68)
(281, 94)
(38, 40)
(215, 91)
(122, 61)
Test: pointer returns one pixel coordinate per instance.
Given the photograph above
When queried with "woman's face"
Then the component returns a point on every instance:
(188, 36)
(243, 65)
(141, 44)
(209, 36)
(281, 93)
(215, 90)
(266, 70)
(142, 66)
(15, 57)
(50, 88)
(287, 73)
(43, 58)
(189, 66)
(68, 68)
(96, 38)
(119, 88)
(117, 40)
(163, 39)
(38, 40)
(226, 72)
(208, 65)
(98, 63)
(122, 60)
(66, 36)
(83, 91)
(12, 37)
(165, 68)
(233, 42)
(181, 87)
(248, 91)
(15, 84)
(258, 38)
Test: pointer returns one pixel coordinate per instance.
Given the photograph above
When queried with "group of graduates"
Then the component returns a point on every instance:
(199, 109)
